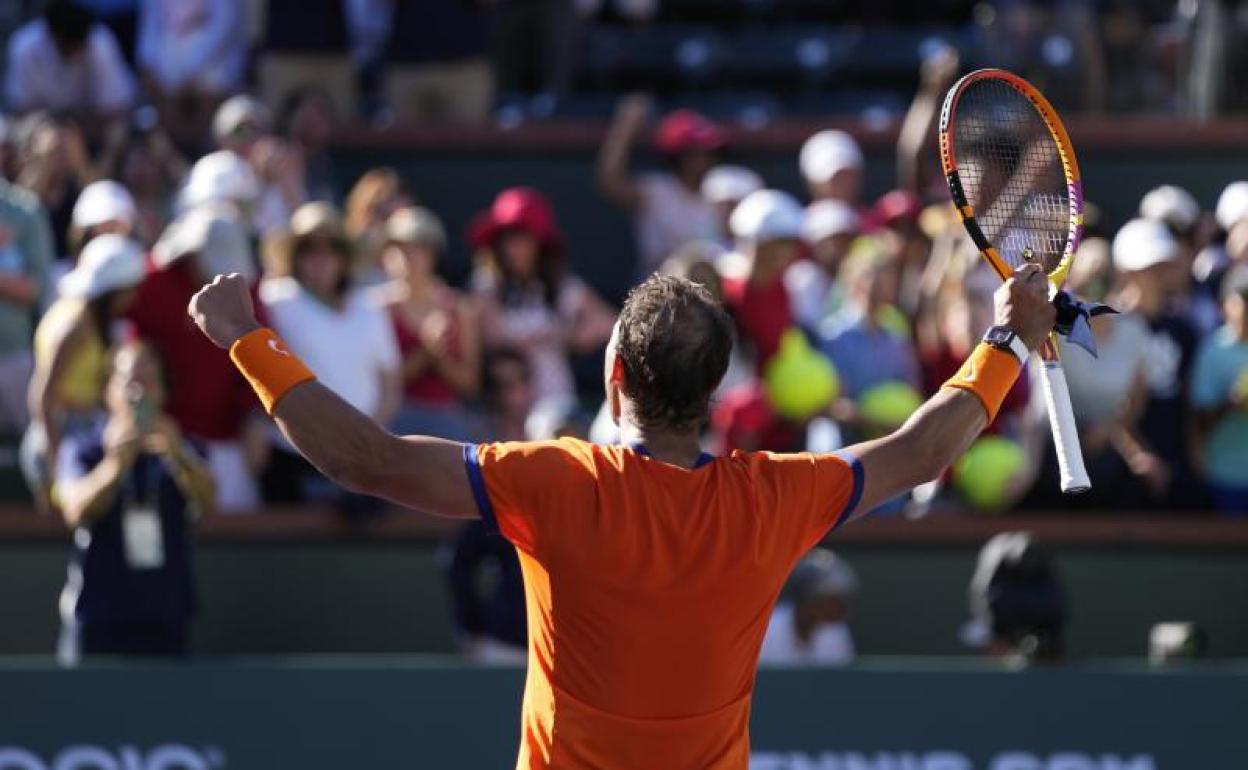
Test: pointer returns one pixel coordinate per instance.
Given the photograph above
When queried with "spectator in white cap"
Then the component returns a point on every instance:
(1173, 206)
(724, 186)
(1231, 213)
(71, 348)
(831, 164)
(809, 625)
(1146, 256)
(1178, 210)
(220, 177)
(767, 231)
(102, 207)
(1232, 216)
(240, 122)
(244, 127)
(829, 227)
(212, 402)
(1144, 245)
(436, 327)
(1232, 205)
(224, 185)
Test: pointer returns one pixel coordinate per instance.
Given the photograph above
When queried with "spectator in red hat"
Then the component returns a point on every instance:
(667, 206)
(895, 221)
(528, 299)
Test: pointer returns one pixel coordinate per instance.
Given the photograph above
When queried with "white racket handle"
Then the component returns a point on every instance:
(1065, 434)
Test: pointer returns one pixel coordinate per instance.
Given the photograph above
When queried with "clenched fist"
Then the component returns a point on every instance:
(223, 311)
(1022, 304)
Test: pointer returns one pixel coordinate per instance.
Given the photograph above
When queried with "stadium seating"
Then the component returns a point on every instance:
(766, 61)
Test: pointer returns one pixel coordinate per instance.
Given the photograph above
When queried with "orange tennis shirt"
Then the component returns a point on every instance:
(649, 588)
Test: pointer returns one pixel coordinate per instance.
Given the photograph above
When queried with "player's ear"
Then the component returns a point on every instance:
(615, 385)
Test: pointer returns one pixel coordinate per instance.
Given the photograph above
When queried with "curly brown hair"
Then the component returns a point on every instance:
(674, 341)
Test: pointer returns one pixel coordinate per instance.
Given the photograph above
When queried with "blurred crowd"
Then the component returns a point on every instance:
(849, 311)
(516, 60)
(123, 193)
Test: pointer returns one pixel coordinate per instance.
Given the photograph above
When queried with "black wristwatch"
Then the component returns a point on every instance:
(1004, 338)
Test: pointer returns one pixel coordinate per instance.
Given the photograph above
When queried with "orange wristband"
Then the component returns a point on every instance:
(271, 369)
(989, 373)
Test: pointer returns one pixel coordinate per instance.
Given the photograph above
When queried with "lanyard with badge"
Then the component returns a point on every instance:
(140, 520)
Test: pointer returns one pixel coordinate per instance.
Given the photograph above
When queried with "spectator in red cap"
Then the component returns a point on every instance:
(895, 220)
(667, 207)
(528, 299)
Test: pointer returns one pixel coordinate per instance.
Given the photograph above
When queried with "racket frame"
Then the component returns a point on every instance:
(1074, 476)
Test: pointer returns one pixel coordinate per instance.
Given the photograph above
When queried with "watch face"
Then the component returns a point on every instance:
(998, 336)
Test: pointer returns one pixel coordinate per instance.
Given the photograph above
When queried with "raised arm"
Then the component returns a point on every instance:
(419, 472)
(942, 429)
(614, 178)
(918, 128)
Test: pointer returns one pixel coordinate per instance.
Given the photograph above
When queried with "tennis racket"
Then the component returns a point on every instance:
(1014, 179)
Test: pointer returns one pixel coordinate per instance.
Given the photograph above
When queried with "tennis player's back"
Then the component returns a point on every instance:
(649, 588)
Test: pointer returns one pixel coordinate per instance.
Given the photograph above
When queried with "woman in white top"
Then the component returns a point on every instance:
(343, 336)
(527, 299)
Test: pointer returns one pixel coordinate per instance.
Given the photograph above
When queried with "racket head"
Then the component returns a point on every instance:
(1012, 173)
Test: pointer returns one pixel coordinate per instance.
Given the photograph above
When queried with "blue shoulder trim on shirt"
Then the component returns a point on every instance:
(472, 464)
(854, 496)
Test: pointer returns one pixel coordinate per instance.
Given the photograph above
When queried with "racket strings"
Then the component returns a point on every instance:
(1012, 174)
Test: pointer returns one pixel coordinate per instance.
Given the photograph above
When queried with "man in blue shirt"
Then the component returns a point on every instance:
(26, 254)
(1219, 392)
(861, 339)
(129, 488)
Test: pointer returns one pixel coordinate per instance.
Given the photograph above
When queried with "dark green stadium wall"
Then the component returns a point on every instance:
(339, 714)
(388, 597)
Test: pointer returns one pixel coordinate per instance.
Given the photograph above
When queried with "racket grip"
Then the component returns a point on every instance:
(1065, 434)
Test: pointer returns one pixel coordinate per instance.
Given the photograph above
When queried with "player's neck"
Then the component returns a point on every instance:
(674, 448)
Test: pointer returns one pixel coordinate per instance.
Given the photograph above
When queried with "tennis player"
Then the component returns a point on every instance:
(650, 568)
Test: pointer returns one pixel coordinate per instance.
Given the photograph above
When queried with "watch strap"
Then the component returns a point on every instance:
(1011, 342)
